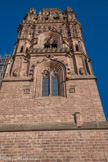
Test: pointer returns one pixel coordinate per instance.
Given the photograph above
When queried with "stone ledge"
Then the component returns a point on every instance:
(13, 79)
(81, 77)
(48, 50)
(74, 77)
(53, 127)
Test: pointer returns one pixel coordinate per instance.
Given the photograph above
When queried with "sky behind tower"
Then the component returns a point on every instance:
(92, 14)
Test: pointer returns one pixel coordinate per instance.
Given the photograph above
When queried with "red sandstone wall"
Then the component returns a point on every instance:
(17, 107)
(55, 146)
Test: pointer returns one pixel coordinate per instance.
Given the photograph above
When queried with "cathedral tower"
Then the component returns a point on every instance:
(49, 102)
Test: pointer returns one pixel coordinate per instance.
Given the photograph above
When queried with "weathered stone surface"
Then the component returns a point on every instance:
(55, 146)
(68, 127)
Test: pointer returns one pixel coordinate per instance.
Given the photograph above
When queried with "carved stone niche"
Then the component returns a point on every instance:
(16, 72)
(72, 89)
(34, 41)
(26, 90)
(81, 71)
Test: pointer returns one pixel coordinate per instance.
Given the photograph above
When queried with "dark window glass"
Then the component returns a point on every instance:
(77, 49)
(26, 50)
(54, 45)
(45, 86)
(55, 86)
(46, 18)
(47, 46)
(21, 49)
(56, 18)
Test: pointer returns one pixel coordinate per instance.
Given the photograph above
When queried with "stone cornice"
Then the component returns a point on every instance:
(48, 54)
(43, 21)
(53, 126)
(48, 50)
(81, 77)
(22, 40)
(13, 79)
(81, 53)
(29, 78)
(48, 21)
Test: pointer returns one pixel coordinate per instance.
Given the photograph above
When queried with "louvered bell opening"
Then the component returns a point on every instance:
(55, 86)
(45, 86)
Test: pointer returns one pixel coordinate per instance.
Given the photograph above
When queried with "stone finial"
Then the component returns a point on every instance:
(31, 14)
(68, 9)
(32, 11)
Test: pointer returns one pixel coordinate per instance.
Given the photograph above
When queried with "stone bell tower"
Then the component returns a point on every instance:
(49, 97)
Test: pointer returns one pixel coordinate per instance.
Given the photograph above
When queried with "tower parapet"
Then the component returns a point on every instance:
(52, 31)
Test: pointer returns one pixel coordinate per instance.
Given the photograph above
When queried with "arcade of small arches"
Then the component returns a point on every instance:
(50, 40)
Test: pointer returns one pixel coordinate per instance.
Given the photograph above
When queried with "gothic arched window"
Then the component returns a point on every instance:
(87, 67)
(54, 43)
(47, 44)
(77, 48)
(45, 86)
(26, 50)
(50, 43)
(55, 86)
(21, 50)
(50, 83)
(50, 79)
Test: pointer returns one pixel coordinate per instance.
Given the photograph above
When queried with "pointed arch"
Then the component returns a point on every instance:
(50, 39)
(77, 47)
(49, 78)
(22, 48)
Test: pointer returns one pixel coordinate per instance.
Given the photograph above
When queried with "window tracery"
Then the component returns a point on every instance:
(50, 77)
(50, 83)
(50, 43)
